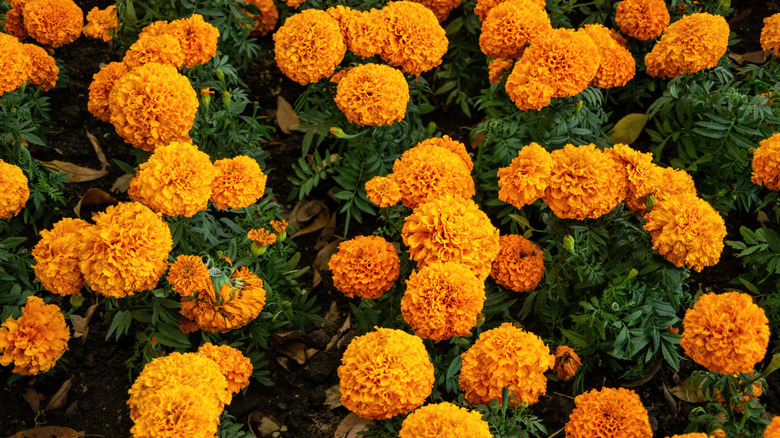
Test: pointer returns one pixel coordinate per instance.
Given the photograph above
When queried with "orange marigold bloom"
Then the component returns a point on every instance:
(410, 37)
(239, 183)
(691, 435)
(126, 251)
(617, 64)
(451, 145)
(366, 266)
(618, 38)
(373, 95)
(525, 179)
(725, 333)
(499, 68)
(687, 230)
(156, 28)
(153, 105)
(100, 89)
(57, 257)
(444, 420)
(484, 6)
(451, 229)
(309, 46)
(176, 180)
(188, 275)
(642, 19)
(566, 362)
(279, 226)
(442, 300)
(236, 367)
(670, 182)
(526, 89)
(383, 191)
(361, 30)
(519, 266)
(773, 430)
(428, 171)
(44, 70)
(440, 8)
(609, 412)
(505, 357)
(294, 3)
(691, 44)
(396, 359)
(265, 21)
(14, 23)
(34, 341)
(262, 236)
(638, 169)
(770, 34)
(100, 22)
(162, 49)
(53, 22)
(15, 64)
(584, 183)
(15, 191)
(511, 25)
(198, 39)
(766, 163)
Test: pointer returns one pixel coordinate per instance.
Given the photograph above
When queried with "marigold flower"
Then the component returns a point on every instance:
(519, 266)
(766, 163)
(510, 26)
(638, 169)
(444, 420)
(53, 22)
(279, 226)
(451, 229)
(770, 34)
(15, 191)
(642, 19)
(366, 266)
(175, 180)
(158, 27)
(451, 145)
(15, 63)
(691, 44)
(176, 411)
(236, 367)
(687, 230)
(499, 68)
(265, 21)
(440, 8)
(126, 251)
(361, 30)
(294, 3)
(100, 89)
(239, 182)
(309, 46)
(14, 23)
(525, 179)
(566, 362)
(262, 236)
(57, 258)
(383, 191)
(100, 22)
(725, 333)
(188, 275)
(36, 340)
(672, 182)
(505, 357)
(692, 435)
(162, 49)
(153, 105)
(617, 64)
(44, 70)
(773, 430)
(526, 90)
(385, 373)
(410, 37)
(484, 6)
(373, 95)
(198, 39)
(609, 412)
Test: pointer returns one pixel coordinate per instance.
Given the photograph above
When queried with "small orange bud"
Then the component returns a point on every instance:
(566, 362)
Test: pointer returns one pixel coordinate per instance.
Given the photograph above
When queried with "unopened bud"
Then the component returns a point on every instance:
(480, 319)
(76, 300)
(220, 75)
(632, 273)
(226, 99)
(649, 202)
(257, 249)
(568, 243)
(281, 236)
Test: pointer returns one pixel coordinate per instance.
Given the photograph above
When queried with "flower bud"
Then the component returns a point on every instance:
(568, 243)
(76, 300)
(220, 75)
(649, 202)
(257, 249)
(226, 99)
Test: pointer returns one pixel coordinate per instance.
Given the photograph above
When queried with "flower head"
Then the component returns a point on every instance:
(261, 236)
(34, 341)
(440, 8)
(638, 169)
(162, 49)
(510, 26)
(617, 64)
(566, 362)
(366, 266)
(519, 266)
(505, 357)
(527, 89)
(483, 7)
(53, 22)
(498, 69)
(444, 420)
(100, 89)
(309, 46)
(44, 71)
(691, 44)
(410, 37)
(236, 367)
(14, 23)
(15, 64)
(373, 95)
(15, 191)
(725, 333)
(188, 275)
(361, 30)
(609, 412)
(385, 373)
(773, 430)
(383, 191)
(642, 19)
(525, 179)
(100, 22)
(57, 257)
(279, 226)
(198, 39)
(265, 21)
(766, 163)
(451, 145)
(670, 182)
(239, 182)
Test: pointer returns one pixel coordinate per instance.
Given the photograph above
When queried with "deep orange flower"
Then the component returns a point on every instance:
(15, 191)
(366, 266)
(158, 27)
(239, 183)
(44, 70)
(188, 275)
(444, 420)
(57, 258)
(395, 359)
(505, 357)
(362, 31)
(383, 191)
(451, 145)
(15, 64)
(100, 89)
(14, 23)
(440, 8)
(236, 367)
(525, 179)
(53, 22)
(770, 34)
(198, 39)
(691, 44)
(100, 22)
(265, 21)
(484, 6)
(410, 37)
(617, 64)
(526, 89)
(609, 412)
(34, 341)
(692, 435)
(510, 26)
(725, 333)
(373, 95)
(642, 19)
(262, 236)
(309, 46)
(499, 68)
(773, 430)
(294, 3)
(670, 182)
(638, 169)
(519, 266)
(162, 49)
(279, 226)
(766, 163)
(566, 362)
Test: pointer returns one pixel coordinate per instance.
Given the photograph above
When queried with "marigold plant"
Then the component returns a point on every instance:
(766, 163)
(14, 23)
(385, 373)
(691, 44)
(725, 333)
(451, 145)
(638, 170)
(525, 179)
(53, 22)
(642, 19)
(383, 191)
(499, 68)
(444, 420)
(519, 265)
(362, 31)
(484, 6)
(236, 367)
(373, 95)
(566, 362)
(44, 70)
(609, 412)
(100, 89)
(57, 257)
(410, 37)
(15, 63)
(162, 49)
(176, 411)
(261, 236)
(265, 21)
(239, 182)
(366, 266)
(34, 341)
(309, 46)
(100, 22)
(510, 26)
(15, 190)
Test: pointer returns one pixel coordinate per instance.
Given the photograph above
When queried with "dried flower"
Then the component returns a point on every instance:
(309, 46)
(410, 37)
(498, 69)
(366, 266)
(505, 357)
(770, 34)
(773, 430)
(100, 22)
(484, 6)
(451, 145)
(239, 183)
(236, 367)
(265, 21)
(15, 64)
(385, 373)
(510, 26)
(57, 257)
(440, 8)
(100, 89)
(642, 19)
(34, 341)
(725, 333)
(44, 71)
(14, 23)
(373, 95)
(766, 163)
(53, 22)
(691, 44)
(444, 420)
(525, 179)
(617, 64)
(566, 362)
(188, 275)
(162, 49)
(197, 38)
(383, 191)
(176, 180)
(15, 191)
(519, 266)
(609, 412)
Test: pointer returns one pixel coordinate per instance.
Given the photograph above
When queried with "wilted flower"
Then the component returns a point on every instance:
(100, 22)
(410, 37)
(373, 95)
(642, 19)
(265, 21)
(44, 71)
(236, 367)
(15, 64)
(366, 266)
(383, 191)
(525, 179)
(519, 266)
(484, 6)
(766, 163)
(57, 257)
(510, 26)
(239, 182)
(309, 46)
(691, 44)
(188, 275)
(34, 341)
(444, 420)
(162, 49)
(100, 89)
(499, 68)
(609, 412)
(617, 64)
(566, 362)
(197, 38)
(53, 22)
(15, 191)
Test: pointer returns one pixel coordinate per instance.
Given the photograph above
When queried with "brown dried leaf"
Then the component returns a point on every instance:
(71, 409)
(122, 184)
(308, 211)
(757, 57)
(49, 432)
(321, 261)
(350, 426)
(81, 323)
(317, 224)
(98, 150)
(333, 314)
(94, 196)
(685, 391)
(58, 399)
(326, 232)
(294, 350)
(33, 399)
(333, 397)
(77, 173)
(344, 327)
(293, 335)
(671, 403)
(286, 117)
(262, 424)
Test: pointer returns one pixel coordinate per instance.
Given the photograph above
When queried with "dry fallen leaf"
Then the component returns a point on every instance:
(286, 117)
(77, 173)
(627, 129)
(49, 432)
(264, 425)
(333, 397)
(326, 232)
(294, 350)
(81, 323)
(98, 150)
(58, 399)
(33, 399)
(344, 327)
(686, 391)
(308, 211)
(122, 184)
(322, 259)
(351, 426)
(94, 196)
(317, 224)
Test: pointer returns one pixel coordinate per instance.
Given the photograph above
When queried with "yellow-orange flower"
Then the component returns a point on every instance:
(687, 230)
(609, 412)
(484, 6)
(773, 430)
(394, 358)
(451, 229)
(525, 179)
(162, 49)
(691, 44)
(451, 145)
(511, 25)
(444, 420)
(265, 21)
(197, 38)
(766, 163)
(15, 191)
(519, 266)
(638, 169)
(34, 341)
(642, 19)
(15, 63)
(366, 266)
(527, 89)
(566, 362)
(53, 22)
(158, 27)
(279, 226)
(239, 182)
(505, 357)
(410, 37)
(294, 3)
(100, 22)
(14, 23)
(153, 105)
(671, 182)
(440, 8)
(617, 64)
(176, 180)
(57, 258)
(770, 34)
(236, 367)
(44, 71)
(498, 69)
(309, 46)
(126, 251)
(100, 89)
(383, 191)
(262, 236)
(188, 275)
(725, 333)
(373, 95)
(361, 30)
